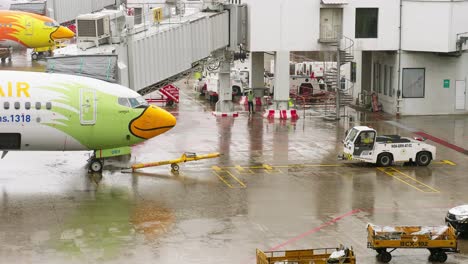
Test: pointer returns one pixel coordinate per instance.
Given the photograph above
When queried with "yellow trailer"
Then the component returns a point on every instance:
(339, 255)
(437, 239)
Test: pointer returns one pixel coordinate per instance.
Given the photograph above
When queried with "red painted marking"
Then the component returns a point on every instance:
(443, 142)
(315, 230)
(223, 115)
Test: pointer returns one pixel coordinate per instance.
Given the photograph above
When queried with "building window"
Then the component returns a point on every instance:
(367, 22)
(413, 82)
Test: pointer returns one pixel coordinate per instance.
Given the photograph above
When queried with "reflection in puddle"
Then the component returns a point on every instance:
(103, 226)
(152, 220)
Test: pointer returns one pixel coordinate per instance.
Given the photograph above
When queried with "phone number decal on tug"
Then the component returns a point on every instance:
(15, 119)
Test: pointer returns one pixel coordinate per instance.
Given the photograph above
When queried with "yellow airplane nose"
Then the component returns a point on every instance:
(62, 33)
(152, 122)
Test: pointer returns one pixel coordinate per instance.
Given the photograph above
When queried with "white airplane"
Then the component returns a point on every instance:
(57, 112)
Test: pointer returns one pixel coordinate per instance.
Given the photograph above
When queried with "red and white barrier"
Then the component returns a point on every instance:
(220, 114)
(245, 101)
(281, 114)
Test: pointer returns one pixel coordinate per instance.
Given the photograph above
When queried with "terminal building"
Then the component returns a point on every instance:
(412, 54)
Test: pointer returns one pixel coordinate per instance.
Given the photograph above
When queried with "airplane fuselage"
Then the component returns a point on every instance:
(43, 111)
(27, 30)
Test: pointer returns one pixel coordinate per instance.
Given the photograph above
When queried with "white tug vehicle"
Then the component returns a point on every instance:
(363, 144)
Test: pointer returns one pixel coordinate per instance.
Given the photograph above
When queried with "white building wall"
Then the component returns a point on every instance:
(437, 99)
(459, 22)
(295, 24)
(388, 23)
(426, 26)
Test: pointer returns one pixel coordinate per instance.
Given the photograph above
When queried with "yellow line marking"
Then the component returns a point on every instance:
(223, 180)
(235, 178)
(216, 168)
(448, 162)
(239, 168)
(392, 173)
(422, 183)
(267, 167)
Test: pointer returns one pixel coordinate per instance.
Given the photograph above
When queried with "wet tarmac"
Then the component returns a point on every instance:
(277, 186)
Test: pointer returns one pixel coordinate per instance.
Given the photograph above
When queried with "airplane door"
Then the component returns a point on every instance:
(28, 26)
(87, 107)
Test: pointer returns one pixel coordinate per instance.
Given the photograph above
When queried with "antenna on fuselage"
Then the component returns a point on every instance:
(4, 154)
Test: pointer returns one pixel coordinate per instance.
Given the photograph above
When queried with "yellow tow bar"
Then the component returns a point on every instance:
(186, 157)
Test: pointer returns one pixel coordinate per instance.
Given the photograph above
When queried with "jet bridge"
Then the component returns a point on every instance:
(147, 56)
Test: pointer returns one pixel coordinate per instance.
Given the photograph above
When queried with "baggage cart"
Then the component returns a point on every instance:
(437, 239)
(339, 255)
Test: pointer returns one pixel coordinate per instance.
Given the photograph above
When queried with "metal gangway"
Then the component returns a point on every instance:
(148, 52)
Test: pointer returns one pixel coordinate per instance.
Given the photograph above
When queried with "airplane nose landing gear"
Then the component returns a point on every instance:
(95, 165)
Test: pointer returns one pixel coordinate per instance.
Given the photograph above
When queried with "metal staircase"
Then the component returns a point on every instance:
(346, 56)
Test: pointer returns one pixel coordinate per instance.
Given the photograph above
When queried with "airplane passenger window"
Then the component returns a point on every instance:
(48, 105)
(27, 105)
(17, 105)
(124, 102)
(38, 106)
(6, 105)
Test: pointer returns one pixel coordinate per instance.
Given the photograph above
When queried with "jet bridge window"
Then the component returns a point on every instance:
(6, 105)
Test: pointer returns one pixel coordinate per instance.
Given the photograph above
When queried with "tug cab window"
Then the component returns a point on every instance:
(365, 138)
(138, 102)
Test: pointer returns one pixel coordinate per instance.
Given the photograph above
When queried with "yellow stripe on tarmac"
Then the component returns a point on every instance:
(236, 179)
(216, 168)
(408, 180)
(448, 162)
(223, 180)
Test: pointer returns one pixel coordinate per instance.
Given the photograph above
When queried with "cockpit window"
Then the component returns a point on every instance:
(124, 102)
(51, 24)
(137, 102)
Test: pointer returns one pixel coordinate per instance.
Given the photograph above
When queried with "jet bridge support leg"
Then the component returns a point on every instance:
(224, 106)
(280, 108)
